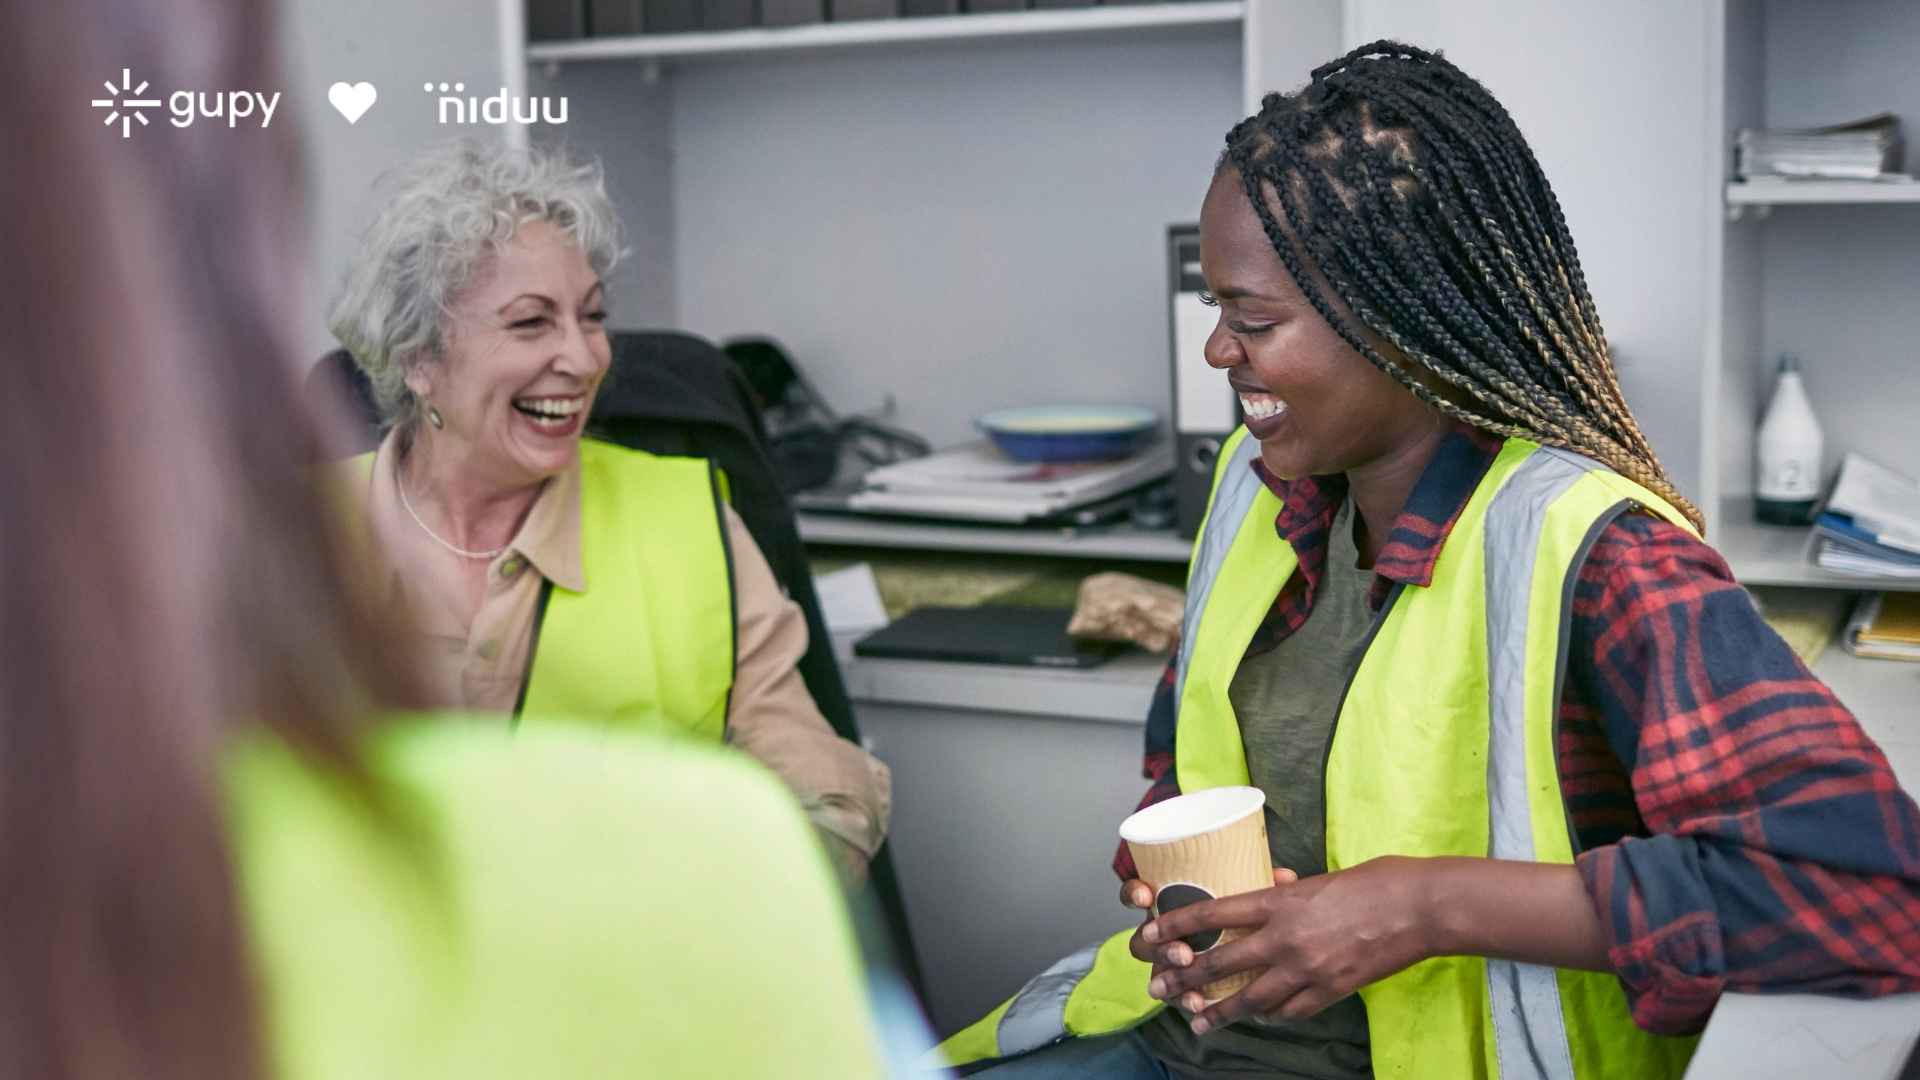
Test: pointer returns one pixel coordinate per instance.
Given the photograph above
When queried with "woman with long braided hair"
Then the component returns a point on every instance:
(1540, 783)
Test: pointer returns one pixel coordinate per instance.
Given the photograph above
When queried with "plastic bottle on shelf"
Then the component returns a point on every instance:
(1789, 448)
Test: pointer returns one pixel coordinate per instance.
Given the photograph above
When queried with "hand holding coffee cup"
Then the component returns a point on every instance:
(1203, 846)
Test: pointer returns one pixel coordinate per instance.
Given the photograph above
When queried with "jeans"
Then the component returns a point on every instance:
(1109, 1057)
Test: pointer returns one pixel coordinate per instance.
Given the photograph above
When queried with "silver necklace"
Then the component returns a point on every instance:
(460, 551)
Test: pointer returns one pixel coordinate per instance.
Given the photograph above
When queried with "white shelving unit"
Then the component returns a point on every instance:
(1778, 554)
(960, 213)
(1828, 276)
(1012, 153)
(871, 32)
(1819, 192)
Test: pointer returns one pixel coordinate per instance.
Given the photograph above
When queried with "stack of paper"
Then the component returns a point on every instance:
(1866, 149)
(850, 600)
(1871, 524)
(1885, 625)
(977, 482)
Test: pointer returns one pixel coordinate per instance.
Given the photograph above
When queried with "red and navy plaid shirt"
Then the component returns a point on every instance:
(1737, 829)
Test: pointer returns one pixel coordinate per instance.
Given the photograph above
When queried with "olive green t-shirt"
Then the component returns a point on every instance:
(1286, 700)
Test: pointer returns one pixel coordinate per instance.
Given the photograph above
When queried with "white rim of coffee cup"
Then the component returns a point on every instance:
(1191, 815)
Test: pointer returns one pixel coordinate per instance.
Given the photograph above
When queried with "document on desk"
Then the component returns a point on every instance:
(850, 600)
(975, 482)
(1793, 1036)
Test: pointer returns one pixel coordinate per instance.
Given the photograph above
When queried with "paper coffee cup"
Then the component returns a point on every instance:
(1203, 846)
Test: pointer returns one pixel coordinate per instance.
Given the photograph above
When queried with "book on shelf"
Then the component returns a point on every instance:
(1866, 149)
(1870, 525)
(1885, 626)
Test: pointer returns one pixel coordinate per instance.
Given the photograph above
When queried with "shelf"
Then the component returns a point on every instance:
(1020, 24)
(1759, 554)
(1809, 192)
(1777, 554)
(1099, 542)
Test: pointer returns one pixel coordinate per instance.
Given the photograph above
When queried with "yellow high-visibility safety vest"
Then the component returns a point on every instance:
(1444, 745)
(651, 639)
(488, 906)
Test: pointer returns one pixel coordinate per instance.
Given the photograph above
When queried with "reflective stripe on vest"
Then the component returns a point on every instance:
(1097, 991)
(1226, 507)
(1529, 1026)
(1037, 1014)
(651, 639)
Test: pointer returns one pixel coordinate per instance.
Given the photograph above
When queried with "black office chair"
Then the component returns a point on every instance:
(674, 393)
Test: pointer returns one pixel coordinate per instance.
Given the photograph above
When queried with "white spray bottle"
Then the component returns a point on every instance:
(1789, 451)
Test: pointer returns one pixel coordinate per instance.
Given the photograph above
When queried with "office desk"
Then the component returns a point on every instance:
(1009, 783)
(1800, 1036)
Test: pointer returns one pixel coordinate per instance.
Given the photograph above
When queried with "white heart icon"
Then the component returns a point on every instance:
(352, 99)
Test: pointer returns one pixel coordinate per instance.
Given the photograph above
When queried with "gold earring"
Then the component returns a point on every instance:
(434, 418)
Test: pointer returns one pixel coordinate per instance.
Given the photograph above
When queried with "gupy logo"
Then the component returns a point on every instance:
(127, 104)
(132, 104)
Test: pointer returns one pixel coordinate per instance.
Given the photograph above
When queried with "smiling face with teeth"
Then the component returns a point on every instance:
(527, 348)
(1317, 406)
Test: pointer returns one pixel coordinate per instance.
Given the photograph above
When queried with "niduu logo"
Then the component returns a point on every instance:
(500, 108)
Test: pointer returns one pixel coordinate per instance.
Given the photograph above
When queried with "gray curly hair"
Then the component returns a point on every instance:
(453, 208)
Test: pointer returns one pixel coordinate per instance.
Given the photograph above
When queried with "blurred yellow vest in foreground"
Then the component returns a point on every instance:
(561, 902)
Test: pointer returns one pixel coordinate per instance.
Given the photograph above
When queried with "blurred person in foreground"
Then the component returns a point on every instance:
(540, 571)
(218, 862)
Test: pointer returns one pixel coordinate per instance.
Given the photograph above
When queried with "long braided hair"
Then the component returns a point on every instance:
(1409, 188)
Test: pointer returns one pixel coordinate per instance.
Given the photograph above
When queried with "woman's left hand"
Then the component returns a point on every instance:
(1318, 939)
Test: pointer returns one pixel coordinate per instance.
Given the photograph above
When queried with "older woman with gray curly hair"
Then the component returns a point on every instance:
(548, 573)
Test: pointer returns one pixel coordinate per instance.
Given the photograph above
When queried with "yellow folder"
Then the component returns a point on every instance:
(1886, 625)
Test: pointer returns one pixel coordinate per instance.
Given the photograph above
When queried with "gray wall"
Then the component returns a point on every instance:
(1840, 291)
(1841, 282)
(1602, 92)
(621, 114)
(1003, 827)
(962, 227)
(398, 47)
(969, 226)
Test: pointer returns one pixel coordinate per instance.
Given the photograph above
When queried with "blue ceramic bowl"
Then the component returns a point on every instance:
(1070, 432)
